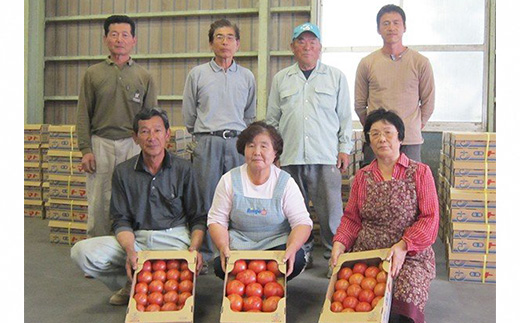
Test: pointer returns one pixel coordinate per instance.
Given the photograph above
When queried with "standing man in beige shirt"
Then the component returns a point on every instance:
(111, 94)
(396, 78)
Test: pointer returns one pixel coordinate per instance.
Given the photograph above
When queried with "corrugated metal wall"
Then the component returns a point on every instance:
(171, 39)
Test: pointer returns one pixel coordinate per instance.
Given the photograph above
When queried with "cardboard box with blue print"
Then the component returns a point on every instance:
(227, 314)
(36, 133)
(69, 233)
(67, 210)
(33, 209)
(473, 146)
(473, 238)
(472, 206)
(381, 311)
(149, 260)
(471, 267)
(65, 162)
(67, 187)
(32, 190)
(63, 137)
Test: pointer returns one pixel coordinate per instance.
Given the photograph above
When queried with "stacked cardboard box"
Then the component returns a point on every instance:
(179, 140)
(467, 200)
(35, 137)
(67, 204)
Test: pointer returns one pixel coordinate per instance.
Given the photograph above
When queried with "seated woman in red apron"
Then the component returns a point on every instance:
(393, 204)
(258, 206)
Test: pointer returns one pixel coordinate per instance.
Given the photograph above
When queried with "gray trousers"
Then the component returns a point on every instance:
(213, 157)
(411, 151)
(322, 185)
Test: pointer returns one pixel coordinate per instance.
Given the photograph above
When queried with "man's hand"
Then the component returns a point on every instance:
(342, 162)
(88, 163)
(200, 261)
(131, 264)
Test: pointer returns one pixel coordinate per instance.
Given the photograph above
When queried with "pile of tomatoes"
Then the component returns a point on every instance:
(163, 285)
(358, 289)
(252, 286)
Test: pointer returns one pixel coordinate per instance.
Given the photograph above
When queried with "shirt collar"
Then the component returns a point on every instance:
(403, 160)
(217, 68)
(130, 62)
(295, 69)
(140, 167)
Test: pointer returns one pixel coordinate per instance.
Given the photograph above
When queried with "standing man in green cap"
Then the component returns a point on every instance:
(309, 104)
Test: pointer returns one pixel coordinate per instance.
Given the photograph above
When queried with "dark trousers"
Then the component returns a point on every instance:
(299, 263)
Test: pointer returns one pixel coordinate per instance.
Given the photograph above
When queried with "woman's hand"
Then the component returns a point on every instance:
(289, 259)
(224, 255)
(337, 250)
(398, 254)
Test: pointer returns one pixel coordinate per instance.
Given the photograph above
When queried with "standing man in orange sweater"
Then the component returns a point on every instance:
(397, 78)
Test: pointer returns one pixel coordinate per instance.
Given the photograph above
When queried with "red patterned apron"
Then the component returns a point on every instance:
(391, 207)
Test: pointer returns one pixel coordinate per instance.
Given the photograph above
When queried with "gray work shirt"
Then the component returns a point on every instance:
(142, 201)
(215, 99)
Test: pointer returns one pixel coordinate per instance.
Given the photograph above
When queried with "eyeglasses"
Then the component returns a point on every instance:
(377, 134)
(221, 37)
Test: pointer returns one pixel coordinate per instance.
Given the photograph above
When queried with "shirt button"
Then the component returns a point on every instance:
(153, 187)
(306, 101)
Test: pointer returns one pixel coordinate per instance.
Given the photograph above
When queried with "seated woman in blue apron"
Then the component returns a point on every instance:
(258, 206)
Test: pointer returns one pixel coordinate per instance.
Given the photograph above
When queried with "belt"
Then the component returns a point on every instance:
(226, 134)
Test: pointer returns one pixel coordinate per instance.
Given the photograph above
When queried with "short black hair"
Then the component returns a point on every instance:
(119, 19)
(385, 115)
(248, 135)
(219, 24)
(147, 114)
(390, 8)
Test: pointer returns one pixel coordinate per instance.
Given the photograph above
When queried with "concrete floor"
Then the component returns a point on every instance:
(56, 291)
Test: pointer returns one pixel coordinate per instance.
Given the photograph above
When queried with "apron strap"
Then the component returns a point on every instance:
(281, 184)
(236, 180)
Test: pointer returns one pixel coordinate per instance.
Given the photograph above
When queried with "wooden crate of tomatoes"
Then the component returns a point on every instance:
(254, 287)
(360, 289)
(163, 287)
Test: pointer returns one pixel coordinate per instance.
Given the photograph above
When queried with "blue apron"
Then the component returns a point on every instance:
(257, 223)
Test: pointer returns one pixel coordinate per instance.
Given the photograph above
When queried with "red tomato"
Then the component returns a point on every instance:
(184, 265)
(350, 302)
(169, 307)
(344, 273)
(359, 267)
(379, 289)
(265, 276)
(363, 307)
(254, 289)
(368, 283)
(236, 302)
(356, 278)
(336, 307)
(147, 266)
(155, 298)
(171, 285)
(240, 265)
(252, 303)
(186, 275)
(341, 284)
(381, 277)
(173, 264)
(185, 286)
(158, 265)
(153, 308)
(273, 289)
(375, 301)
(348, 309)
(339, 295)
(366, 295)
(173, 274)
(354, 290)
(257, 266)
(270, 304)
(372, 271)
(144, 277)
(247, 276)
(272, 266)
(171, 297)
(183, 297)
(140, 308)
(235, 287)
(141, 288)
(159, 275)
(141, 298)
(156, 286)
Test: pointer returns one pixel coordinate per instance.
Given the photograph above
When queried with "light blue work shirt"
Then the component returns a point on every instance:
(313, 115)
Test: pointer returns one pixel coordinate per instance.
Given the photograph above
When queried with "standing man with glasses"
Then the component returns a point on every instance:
(111, 94)
(219, 102)
(396, 78)
(309, 104)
